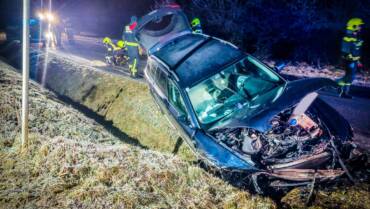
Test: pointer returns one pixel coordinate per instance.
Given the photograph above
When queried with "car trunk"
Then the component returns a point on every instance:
(160, 26)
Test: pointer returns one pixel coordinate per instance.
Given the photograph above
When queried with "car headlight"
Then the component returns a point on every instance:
(41, 16)
(48, 35)
(50, 17)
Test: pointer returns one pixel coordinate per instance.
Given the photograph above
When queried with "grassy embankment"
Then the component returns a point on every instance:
(73, 162)
(125, 102)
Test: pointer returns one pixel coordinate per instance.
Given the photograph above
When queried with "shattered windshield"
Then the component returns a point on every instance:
(232, 89)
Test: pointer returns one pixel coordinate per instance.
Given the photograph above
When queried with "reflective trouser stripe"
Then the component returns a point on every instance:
(133, 68)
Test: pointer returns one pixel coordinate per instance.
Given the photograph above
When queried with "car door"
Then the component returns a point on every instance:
(179, 116)
(161, 25)
(157, 80)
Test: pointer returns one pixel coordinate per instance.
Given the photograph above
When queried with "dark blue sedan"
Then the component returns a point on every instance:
(235, 112)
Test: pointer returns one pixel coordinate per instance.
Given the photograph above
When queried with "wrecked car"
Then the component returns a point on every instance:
(238, 114)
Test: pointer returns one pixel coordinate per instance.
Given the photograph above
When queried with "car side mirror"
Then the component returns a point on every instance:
(279, 67)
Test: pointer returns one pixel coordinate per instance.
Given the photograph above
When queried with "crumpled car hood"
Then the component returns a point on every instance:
(259, 119)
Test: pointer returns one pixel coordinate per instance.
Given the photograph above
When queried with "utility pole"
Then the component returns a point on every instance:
(25, 71)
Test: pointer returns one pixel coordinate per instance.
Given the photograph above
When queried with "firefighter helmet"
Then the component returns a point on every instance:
(354, 23)
(107, 40)
(195, 22)
(120, 44)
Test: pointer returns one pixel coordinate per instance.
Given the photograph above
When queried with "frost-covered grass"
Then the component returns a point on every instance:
(73, 162)
(334, 73)
(125, 102)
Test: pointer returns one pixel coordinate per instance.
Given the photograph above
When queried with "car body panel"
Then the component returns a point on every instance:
(183, 53)
(161, 25)
(220, 156)
(338, 125)
(174, 51)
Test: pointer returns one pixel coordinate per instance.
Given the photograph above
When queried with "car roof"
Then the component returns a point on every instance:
(194, 57)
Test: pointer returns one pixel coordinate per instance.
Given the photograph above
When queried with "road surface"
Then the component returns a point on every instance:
(89, 51)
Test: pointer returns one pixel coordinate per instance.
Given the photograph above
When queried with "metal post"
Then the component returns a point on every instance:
(25, 71)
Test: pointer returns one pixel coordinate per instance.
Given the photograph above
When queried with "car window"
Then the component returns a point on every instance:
(239, 86)
(175, 98)
(159, 78)
(151, 70)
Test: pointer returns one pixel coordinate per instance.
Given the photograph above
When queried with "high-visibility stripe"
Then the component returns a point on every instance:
(354, 58)
(349, 39)
(342, 83)
(131, 43)
(133, 68)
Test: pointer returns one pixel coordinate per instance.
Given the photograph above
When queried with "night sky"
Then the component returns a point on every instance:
(306, 30)
(103, 17)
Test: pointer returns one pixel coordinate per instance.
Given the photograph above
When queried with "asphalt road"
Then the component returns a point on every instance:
(357, 112)
(89, 52)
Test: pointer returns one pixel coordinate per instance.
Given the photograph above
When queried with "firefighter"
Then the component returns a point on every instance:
(114, 51)
(351, 46)
(121, 52)
(109, 43)
(56, 26)
(195, 24)
(58, 34)
(68, 29)
(132, 46)
(121, 44)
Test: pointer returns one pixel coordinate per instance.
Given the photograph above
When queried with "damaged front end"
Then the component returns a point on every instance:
(298, 148)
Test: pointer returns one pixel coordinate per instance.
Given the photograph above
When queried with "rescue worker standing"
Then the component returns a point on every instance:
(351, 47)
(57, 27)
(68, 29)
(196, 26)
(132, 46)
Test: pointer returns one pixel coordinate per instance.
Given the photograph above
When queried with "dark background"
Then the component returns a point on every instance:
(301, 30)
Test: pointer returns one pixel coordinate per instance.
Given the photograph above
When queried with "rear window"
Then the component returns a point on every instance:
(176, 50)
(211, 58)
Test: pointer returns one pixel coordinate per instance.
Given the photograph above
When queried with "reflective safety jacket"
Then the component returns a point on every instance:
(129, 36)
(196, 26)
(197, 29)
(351, 46)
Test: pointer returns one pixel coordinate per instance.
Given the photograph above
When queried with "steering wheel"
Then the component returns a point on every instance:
(240, 83)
